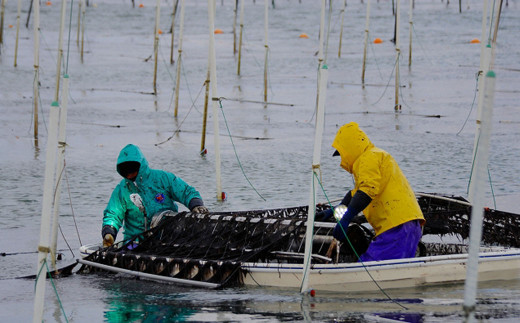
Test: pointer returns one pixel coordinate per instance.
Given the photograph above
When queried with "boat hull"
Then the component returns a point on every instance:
(403, 273)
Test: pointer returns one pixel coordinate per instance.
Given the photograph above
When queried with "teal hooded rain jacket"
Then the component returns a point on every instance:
(159, 190)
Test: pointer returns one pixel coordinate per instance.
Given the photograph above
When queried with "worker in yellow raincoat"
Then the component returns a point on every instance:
(382, 192)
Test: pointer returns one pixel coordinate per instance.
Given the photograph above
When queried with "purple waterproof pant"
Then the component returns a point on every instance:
(396, 243)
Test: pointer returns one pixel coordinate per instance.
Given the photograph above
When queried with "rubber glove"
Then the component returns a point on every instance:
(340, 230)
(108, 240)
(200, 209)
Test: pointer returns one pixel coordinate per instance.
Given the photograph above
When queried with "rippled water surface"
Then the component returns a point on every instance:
(111, 104)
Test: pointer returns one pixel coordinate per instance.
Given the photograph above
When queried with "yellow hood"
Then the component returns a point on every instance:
(350, 142)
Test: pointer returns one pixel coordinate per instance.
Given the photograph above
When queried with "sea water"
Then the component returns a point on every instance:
(266, 150)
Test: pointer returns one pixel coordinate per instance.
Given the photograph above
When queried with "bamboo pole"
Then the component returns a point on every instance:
(45, 226)
(36, 80)
(173, 29)
(316, 170)
(214, 95)
(240, 38)
(477, 211)
(80, 8)
(266, 45)
(156, 45)
(411, 30)
(179, 61)
(341, 28)
(367, 20)
(18, 12)
(60, 49)
(2, 11)
(83, 14)
(397, 106)
(235, 27)
(203, 149)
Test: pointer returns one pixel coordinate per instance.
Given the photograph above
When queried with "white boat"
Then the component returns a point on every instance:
(226, 251)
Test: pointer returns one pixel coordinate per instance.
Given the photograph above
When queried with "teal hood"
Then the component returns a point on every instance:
(132, 153)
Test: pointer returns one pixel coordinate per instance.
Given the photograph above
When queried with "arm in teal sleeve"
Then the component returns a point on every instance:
(114, 213)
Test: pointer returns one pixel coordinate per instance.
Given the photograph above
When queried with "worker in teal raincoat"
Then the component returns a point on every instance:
(157, 191)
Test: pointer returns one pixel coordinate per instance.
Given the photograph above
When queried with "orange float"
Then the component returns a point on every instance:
(218, 31)
(378, 41)
(304, 35)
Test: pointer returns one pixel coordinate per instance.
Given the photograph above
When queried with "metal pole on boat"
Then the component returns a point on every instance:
(173, 30)
(341, 28)
(367, 20)
(397, 106)
(214, 96)
(156, 45)
(266, 45)
(411, 30)
(240, 37)
(316, 170)
(36, 80)
(477, 212)
(179, 61)
(18, 13)
(44, 244)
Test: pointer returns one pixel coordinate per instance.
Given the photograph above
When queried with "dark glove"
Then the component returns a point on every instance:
(201, 209)
(324, 215)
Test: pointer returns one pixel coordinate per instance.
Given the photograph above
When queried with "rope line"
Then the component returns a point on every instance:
(53, 286)
(234, 149)
(472, 104)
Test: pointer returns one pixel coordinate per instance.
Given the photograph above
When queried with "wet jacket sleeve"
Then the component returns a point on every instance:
(183, 192)
(114, 213)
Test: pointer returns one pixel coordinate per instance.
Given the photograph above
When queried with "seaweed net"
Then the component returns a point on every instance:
(212, 247)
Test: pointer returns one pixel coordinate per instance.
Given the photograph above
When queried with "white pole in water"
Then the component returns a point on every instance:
(173, 29)
(235, 27)
(48, 190)
(266, 45)
(2, 11)
(179, 61)
(240, 37)
(411, 29)
(477, 212)
(397, 106)
(485, 56)
(214, 97)
(156, 44)
(341, 28)
(61, 138)
(367, 20)
(18, 12)
(316, 170)
(36, 80)
(316, 173)
(60, 165)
